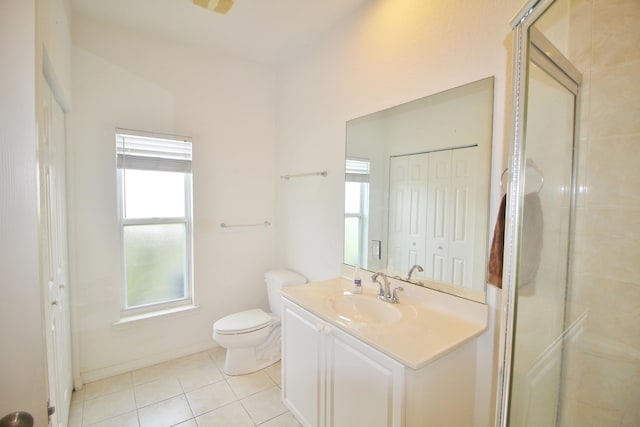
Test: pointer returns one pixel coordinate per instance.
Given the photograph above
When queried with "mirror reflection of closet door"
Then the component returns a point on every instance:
(453, 185)
(431, 206)
(545, 236)
(408, 180)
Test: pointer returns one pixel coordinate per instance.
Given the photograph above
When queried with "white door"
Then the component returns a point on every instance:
(408, 178)
(464, 186)
(53, 255)
(450, 226)
(439, 194)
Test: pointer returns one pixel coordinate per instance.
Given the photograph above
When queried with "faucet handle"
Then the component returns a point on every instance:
(394, 296)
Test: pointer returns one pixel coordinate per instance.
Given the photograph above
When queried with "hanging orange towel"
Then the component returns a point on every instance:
(497, 247)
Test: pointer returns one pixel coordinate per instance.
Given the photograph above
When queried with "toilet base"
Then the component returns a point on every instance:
(245, 360)
(241, 361)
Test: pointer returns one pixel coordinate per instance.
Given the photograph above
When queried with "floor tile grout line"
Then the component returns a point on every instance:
(193, 414)
(272, 418)
(218, 408)
(135, 397)
(247, 412)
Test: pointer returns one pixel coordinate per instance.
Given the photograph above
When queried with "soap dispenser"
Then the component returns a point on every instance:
(357, 281)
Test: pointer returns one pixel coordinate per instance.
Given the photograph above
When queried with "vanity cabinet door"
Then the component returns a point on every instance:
(331, 379)
(303, 364)
(364, 386)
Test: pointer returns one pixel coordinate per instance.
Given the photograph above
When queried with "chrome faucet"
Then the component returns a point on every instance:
(384, 290)
(415, 267)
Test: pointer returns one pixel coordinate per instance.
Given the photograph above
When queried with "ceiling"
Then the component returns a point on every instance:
(261, 30)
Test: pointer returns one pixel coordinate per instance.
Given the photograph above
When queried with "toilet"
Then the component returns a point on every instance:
(252, 337)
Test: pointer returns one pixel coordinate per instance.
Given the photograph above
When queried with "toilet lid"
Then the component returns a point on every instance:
(244, 321)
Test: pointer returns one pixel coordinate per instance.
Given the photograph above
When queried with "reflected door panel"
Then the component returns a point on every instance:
(450, 233)
(437, 265)
(464, 186)
(408, 180)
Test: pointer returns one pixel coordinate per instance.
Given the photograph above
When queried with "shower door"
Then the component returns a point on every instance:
(543, 261)
(542, 201)
(571, 353)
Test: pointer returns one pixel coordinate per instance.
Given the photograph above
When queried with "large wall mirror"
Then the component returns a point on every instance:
(417, 190)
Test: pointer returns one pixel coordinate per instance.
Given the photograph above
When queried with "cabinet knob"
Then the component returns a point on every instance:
(327, 330)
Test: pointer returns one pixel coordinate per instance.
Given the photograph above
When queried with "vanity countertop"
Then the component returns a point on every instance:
(422, 335)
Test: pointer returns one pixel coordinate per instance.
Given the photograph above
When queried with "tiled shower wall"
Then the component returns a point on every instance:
(601, 377)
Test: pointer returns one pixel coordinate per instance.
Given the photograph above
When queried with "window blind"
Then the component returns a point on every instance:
(146, 152)
(357, 170)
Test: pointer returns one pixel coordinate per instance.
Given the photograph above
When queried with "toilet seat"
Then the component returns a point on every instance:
(243, 322)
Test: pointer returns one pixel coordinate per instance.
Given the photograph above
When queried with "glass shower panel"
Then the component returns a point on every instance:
(543, 257)
(573, 343)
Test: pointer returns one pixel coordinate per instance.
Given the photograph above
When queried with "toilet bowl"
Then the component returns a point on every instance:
(252, 337)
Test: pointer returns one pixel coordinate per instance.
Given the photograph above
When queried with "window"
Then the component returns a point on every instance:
(356, 206)
(154, 193)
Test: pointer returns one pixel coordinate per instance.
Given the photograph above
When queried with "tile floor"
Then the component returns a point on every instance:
(190, 391)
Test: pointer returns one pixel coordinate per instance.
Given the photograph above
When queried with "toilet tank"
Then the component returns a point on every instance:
(276, 280)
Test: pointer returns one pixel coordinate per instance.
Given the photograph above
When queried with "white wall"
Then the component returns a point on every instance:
(121, 79)
(22, 363)
(388, 53)
(54, 36)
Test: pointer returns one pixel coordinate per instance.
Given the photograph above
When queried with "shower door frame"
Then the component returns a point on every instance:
(529, 45)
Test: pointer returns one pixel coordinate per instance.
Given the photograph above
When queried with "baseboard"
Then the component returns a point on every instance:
(121, 368)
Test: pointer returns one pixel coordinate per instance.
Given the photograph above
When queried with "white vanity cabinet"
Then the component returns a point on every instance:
(333, 379)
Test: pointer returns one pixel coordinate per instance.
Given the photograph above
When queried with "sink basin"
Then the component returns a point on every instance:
(365, 309)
